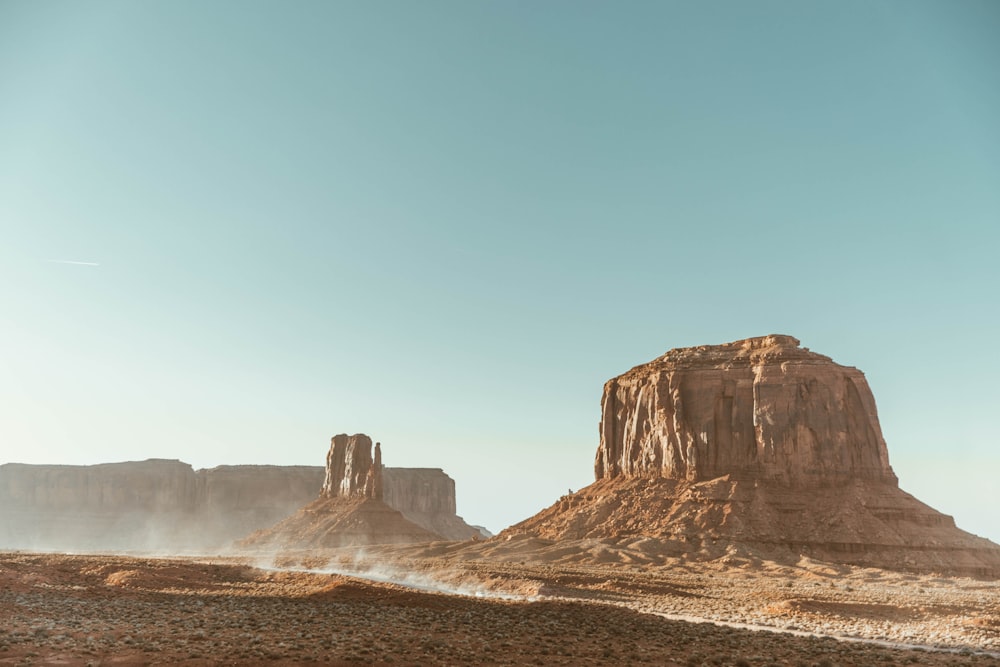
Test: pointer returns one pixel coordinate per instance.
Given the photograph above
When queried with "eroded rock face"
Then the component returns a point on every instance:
(351, 470)
(165, 505)
(426, 496)
(760, 408)
(761, 448)
(154, 505)
(350, 510)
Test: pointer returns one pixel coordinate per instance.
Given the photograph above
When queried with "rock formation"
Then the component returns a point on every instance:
(166, 505)
(761, 409)
(350, 510)
(351, 471)
(761, 446)
(153, 505)
(426, 496)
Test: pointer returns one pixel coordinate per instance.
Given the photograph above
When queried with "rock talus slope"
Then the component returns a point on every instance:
(426, 496)
(350, 510)
(758, 446)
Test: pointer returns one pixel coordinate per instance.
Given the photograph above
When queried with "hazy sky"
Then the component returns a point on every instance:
(231, 230)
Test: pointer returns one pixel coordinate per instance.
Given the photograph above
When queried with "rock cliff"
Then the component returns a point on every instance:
(757, 447)
(351, 470)
(761, 408)
(155, 505)
(426, 496)
(350, 510)
(166, 505)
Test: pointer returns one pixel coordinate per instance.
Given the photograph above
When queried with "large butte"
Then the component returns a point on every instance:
(756, 448)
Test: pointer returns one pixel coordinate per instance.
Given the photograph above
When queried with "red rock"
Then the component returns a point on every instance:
(758, 447)
(761, 408)
(165, 505)
(350, 510)
(426, 496)
(350, 469)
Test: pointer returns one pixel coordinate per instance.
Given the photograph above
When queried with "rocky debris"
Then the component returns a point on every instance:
(756, 445)
(339, 522)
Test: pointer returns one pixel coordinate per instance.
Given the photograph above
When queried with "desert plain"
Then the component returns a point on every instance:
(519, 603)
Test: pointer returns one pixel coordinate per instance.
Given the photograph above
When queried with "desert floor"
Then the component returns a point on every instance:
(303, 609)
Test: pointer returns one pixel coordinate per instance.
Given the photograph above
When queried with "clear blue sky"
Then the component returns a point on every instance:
(446, 224)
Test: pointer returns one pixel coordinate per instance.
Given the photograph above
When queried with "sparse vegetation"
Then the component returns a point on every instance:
(85, 609)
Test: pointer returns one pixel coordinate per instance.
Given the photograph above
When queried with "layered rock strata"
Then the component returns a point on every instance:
(351, 469)
(426, 496)
(153, 505)
(756, 446)
(761, 409)
(350, 510)
(166, 505)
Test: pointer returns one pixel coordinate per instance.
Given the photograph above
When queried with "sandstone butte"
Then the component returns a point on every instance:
(758, 447)
(351, 509)
(166, 505)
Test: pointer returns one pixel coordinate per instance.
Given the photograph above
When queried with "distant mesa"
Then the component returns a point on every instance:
(154, 505)
(757, 446)
(351, 510)
(167, 506)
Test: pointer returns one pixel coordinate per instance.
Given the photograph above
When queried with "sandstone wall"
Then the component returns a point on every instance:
(165, 505)
(153, 485)
(426, 496)
(757, 448)
(351, 469)
(762, 408)
(145, 505)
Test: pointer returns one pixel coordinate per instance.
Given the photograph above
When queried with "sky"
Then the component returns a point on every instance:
(231, 230)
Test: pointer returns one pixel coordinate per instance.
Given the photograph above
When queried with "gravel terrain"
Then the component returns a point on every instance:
(119, 610)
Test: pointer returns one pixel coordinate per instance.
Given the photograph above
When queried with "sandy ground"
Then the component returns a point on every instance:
(119, 610)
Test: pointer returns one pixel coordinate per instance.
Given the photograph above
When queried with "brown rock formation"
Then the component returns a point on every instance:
(762, 446)
(165, 505)
(234, 501)
(351, 471)
(146, 505)
(340, 522)
(350, 510)
(761, 408)
(426, 496)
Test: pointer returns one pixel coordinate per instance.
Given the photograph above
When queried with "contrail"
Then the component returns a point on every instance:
(70, 261)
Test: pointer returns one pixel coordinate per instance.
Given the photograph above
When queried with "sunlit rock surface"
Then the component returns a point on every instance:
(755, 447)
(426, 496)
(350, 510)
(761, 408)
